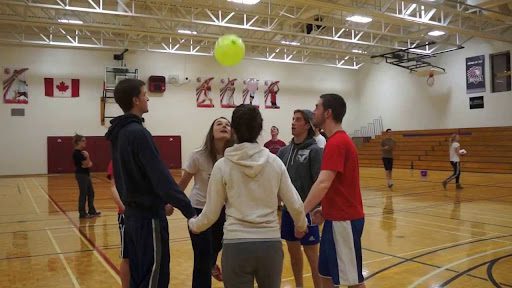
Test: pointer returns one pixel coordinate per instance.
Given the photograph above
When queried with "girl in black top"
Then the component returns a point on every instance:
(83, 163)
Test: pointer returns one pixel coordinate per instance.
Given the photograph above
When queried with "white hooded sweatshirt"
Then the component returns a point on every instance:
(249, 180)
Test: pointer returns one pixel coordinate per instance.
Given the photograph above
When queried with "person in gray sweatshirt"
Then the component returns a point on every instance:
(302, 158)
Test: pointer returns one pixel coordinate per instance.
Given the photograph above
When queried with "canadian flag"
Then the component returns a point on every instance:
(59, 87)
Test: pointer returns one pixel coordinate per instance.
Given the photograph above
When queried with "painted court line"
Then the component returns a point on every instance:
(30, 196)
(430, 248)
(71, 275)
(97, 252)
(437, 271)
(445, 225)
(429, 228)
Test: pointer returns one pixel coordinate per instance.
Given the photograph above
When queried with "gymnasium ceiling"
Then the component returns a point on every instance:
(298, 31)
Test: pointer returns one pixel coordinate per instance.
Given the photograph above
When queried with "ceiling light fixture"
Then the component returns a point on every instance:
(246, 2)
(68, 21)
(436, 33)
(182, 31)
(290, 43)
(359, 19)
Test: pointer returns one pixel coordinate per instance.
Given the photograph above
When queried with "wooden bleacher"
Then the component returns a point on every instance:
(489, 149)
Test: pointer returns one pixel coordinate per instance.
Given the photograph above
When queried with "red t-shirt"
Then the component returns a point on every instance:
(110, 174)
(274, 146)
(343, 200)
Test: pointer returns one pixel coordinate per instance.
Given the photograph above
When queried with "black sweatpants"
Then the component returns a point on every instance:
(146, 246)
(456, 172)
(86, 194)
(207, 246)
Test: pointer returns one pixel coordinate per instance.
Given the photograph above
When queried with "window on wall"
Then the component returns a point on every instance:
(500, 66)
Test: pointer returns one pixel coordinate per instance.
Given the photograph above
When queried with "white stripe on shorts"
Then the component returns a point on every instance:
(345, 252)
(122, 241)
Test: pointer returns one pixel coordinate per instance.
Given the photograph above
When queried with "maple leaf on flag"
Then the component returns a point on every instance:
(62, 87)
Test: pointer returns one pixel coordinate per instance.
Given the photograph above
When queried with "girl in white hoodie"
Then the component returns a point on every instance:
(250, 181)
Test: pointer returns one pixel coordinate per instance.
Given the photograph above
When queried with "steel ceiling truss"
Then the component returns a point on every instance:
(413, 61)
(307, 32)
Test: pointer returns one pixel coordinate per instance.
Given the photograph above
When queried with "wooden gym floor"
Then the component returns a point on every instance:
(416, 235)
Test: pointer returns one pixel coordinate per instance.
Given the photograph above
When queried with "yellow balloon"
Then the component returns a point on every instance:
(229, 50)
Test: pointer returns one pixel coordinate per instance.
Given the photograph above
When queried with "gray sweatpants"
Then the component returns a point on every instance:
(244, 261)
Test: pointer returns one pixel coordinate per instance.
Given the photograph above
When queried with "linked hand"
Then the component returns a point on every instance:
(169, 210)
(299, 234)
(190, 228)
(316, 216)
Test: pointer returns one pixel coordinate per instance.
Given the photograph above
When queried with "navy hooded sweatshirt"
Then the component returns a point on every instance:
(142, 179)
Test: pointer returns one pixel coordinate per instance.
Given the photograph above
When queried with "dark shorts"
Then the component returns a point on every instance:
(388, 163)
(312, 237)
(340, 252)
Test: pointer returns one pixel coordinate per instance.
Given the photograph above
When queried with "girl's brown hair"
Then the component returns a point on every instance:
(209, 142)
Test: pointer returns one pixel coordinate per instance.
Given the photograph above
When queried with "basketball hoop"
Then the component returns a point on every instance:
(430, 73)
(430, 79)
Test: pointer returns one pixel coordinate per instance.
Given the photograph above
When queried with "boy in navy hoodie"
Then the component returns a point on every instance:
(145, 186)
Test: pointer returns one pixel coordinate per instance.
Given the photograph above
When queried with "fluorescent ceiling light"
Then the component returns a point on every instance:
(359, 51)
(247, 2)
(436, 33)
(70, 21)
(187, 32)
(290, 43)
(359, 19)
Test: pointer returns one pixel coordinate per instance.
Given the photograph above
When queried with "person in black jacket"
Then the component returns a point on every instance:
(145, 186)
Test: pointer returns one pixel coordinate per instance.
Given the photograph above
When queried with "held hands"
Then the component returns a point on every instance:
(169, 210)
(316, 216)
(86, 154)
(190, 228)
(300, 234)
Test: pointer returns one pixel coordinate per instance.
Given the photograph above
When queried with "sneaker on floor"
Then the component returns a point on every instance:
(217, 273)
(95, 214)
(459, 187)
(390, 185)
(445, 184)
(86, 216)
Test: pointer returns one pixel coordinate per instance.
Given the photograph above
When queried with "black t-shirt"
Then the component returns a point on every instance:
(78, 157)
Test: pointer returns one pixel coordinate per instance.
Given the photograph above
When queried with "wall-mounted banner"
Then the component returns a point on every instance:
(475, 74)
(227, 92)
(15, 87)
(203, 91)
(249, 93)
(271, 90)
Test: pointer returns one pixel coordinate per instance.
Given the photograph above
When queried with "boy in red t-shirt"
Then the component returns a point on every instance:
(274, 144)
(338, 189)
